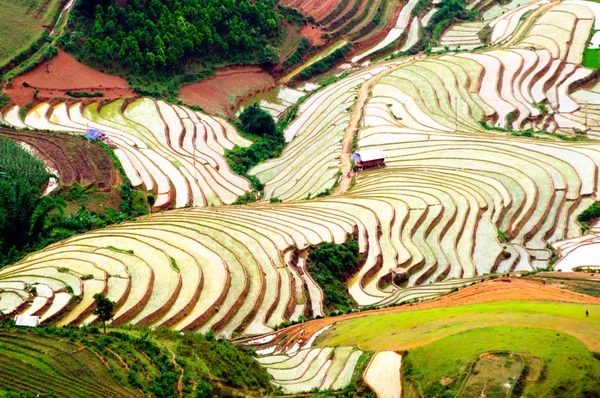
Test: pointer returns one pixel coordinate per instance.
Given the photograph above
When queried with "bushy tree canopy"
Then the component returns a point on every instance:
(162, 34)
(257, 121)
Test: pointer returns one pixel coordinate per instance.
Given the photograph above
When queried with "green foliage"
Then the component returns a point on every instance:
(211, 367)
(324, 193)
(104, 308)
(502, 237)
(248, 197)
(159, 37)
(23, 211)
(292, 15)
(331, 266)
(4, 100)
(210, 359)
(298, 55)
(325, 63)
(275, 200)
(591, 58)
(541, 107)
(30, 221)
(257, 121)
(84, 94)
(268, 142)
(174, 264)
(450, 11)
(589, 214)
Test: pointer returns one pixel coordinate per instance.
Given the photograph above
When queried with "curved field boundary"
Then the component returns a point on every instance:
(170, 150)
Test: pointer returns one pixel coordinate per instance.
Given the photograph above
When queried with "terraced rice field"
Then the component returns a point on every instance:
(402, 23)
(69, 157)
(350, 18)
(168, 149)
(275, 101)
(44, 365)
(383, 374)
(578, 253)
(462, 36)
(432, 214)
(309, 369)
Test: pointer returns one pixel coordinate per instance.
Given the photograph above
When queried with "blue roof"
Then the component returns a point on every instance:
(93, 134)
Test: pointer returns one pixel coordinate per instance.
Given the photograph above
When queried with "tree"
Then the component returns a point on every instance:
(257, 121)
(104, 308)
(269, 56)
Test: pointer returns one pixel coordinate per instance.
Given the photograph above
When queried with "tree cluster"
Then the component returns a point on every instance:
(268, 142)
(331, 266)
(159, 35)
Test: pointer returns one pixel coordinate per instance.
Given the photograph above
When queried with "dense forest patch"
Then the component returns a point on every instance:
(157, 40)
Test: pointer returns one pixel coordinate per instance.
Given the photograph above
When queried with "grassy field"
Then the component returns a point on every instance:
(21, 24)
(405, 330)
(567, 367)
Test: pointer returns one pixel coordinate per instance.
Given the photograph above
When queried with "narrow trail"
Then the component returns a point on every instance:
(180, 380)
(353, 126)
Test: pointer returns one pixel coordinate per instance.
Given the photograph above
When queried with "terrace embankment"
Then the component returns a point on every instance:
(502, 289)
(64, 73)
(218, 94)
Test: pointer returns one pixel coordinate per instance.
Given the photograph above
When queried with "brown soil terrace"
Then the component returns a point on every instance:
(218, 94)
(64, 73)
(504, 289)
(313, 33)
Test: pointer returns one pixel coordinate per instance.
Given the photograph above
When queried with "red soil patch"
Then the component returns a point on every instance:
(65, 73)
(505, 289)
(220, 93)
(313, 33)
(317, 8)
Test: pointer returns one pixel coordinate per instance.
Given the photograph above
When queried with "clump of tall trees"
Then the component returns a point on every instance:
(161, 35)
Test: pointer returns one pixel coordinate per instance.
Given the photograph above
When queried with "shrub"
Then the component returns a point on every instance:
(324, 64)
(298, 55)
(257, 121)
(331, 266)
(84, 94)
(246, 198)
(589, 214)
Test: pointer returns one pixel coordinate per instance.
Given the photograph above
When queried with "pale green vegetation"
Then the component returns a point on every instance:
(404, 330)
(21, 25)
(557, 364)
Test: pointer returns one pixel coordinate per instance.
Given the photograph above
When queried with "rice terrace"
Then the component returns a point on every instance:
(269, 198)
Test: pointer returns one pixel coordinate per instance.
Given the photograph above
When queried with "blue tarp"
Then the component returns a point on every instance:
(94, 134)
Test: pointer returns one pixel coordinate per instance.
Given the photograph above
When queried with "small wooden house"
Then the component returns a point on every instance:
(368, 159)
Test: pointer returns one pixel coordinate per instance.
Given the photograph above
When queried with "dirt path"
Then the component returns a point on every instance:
(504, 289)
(363, 96)
(180, 380)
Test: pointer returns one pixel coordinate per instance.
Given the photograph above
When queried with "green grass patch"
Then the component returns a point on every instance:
(21, 25)
(568, 368)
(403, 330)
(591, 58)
